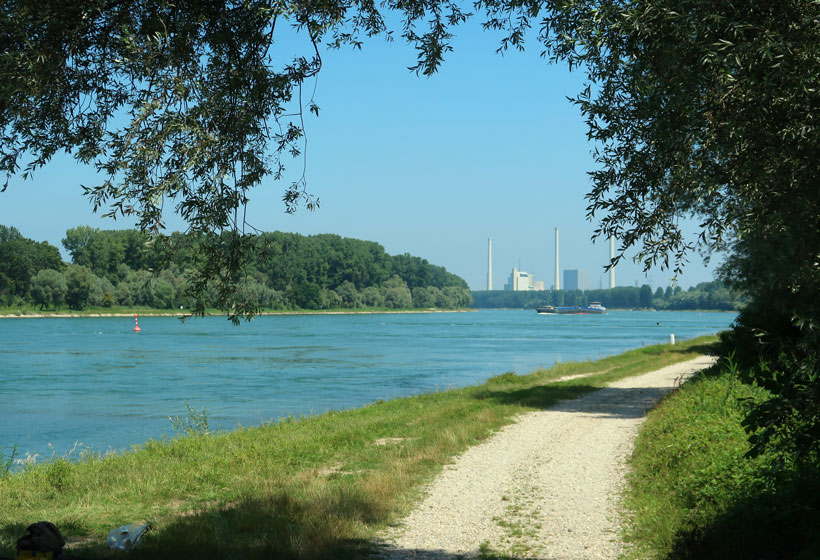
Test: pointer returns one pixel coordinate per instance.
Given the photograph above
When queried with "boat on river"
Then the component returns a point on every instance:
(594, 308)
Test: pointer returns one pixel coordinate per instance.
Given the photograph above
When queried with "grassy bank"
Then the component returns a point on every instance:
(116, 311)
(317, 487)
(695, 495)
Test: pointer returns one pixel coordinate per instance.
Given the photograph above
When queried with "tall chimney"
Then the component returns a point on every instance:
(489, 263)
(611, 256)
(557, 281)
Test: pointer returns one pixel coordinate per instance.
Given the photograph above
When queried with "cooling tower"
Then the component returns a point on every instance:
(489, 263)
(557, 282)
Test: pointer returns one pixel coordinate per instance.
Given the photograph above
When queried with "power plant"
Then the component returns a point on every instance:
(575, 279)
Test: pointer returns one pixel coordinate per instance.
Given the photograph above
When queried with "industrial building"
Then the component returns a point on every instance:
(521, 281)
(576, 279)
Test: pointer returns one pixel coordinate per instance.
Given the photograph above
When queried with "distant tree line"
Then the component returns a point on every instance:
(706, 295)
(126, 268)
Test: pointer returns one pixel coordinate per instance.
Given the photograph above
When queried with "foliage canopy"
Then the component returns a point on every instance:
(291, 271)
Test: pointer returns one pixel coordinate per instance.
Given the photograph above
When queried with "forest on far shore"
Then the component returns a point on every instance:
(706, 296)
(126, 268)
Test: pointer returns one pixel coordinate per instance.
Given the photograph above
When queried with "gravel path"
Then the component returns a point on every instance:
(544, 487)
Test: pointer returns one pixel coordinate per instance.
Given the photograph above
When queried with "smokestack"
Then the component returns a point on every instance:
(611, 256)
(489, 263)
(557, 282)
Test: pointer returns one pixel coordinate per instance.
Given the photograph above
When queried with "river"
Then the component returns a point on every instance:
(74, 384)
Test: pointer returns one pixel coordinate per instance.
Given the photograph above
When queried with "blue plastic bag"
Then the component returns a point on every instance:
(127, 536)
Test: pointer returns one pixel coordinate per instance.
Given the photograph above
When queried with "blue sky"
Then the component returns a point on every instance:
(488, 147)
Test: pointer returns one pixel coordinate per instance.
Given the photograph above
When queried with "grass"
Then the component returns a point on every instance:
(7, 462)
(26, 310)
(694, 494)
(520, 523)
(315, 487)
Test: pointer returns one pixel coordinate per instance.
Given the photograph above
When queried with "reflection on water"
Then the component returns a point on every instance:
(95, 381)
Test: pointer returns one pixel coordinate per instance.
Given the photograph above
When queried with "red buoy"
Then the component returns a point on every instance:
(136, 324)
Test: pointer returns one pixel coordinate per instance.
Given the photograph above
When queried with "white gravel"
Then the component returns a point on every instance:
(544, 487)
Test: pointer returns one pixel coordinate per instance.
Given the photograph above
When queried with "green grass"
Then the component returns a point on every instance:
(693, 493)
(25, 310)
(316, 487)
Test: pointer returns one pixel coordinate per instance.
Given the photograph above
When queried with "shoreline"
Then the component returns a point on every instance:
(71, 315)
(260, 314)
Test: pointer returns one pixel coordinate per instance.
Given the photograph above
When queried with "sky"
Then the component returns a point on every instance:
(489, 147)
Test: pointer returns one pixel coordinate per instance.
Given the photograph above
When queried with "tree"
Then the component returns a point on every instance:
(78, 242)
(105, 251)
(21, 259)
(162, 293)
(306, 295)
(371, 297)
(9, 234)
(48, 288)
(348, 294)
(710, 109)
(396, 294)
(330, 299)
(646, 296)
(425, 297)
(453, 296)
(80, 286)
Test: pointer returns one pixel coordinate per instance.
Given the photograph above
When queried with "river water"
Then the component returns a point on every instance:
(92, 383)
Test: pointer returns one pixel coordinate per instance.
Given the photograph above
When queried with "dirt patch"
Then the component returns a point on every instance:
(389, 440)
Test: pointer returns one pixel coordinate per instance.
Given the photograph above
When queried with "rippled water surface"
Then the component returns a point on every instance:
(94, 383)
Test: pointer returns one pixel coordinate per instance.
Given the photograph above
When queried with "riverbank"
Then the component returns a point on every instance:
(151, 313)
(321, 486)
